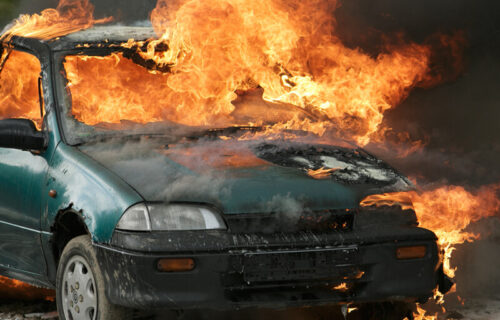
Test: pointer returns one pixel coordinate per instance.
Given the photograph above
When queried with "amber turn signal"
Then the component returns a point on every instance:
(175, 265)
(413, 252)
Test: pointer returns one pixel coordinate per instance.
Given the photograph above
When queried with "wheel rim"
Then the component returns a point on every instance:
(79, 292)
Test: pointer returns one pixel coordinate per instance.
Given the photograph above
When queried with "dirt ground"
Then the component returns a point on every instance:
(480, 309)
(20, 310)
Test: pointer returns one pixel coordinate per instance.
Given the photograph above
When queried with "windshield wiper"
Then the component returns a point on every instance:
(135, 136)
(228, 131)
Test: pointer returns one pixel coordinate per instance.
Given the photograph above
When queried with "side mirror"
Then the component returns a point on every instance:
(20, 134)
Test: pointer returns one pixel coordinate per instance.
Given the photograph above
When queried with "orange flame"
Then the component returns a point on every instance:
(421, 314)
(19, 95)
(69, 16)
(122, 91)
(343, 287)
(15, 289)
(401, 199)
(321, 173)
(286, 48)
(447, 211)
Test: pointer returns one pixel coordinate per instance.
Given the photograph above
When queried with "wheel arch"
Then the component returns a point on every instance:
(67, 225)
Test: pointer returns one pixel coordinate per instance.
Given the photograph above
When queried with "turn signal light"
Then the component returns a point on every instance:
(175, 265)
(413, 252)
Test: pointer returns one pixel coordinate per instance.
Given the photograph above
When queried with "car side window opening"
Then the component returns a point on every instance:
(19, 86)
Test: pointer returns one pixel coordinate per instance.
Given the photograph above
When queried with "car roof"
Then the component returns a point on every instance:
(109, 34)
(95, 37)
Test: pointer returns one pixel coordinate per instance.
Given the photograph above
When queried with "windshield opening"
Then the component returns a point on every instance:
(106, 94)
(112, 93)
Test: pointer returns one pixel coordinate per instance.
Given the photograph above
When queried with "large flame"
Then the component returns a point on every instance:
(447, 210)
(289, 48)
(110, 89)
(19, 94)
(69, 16)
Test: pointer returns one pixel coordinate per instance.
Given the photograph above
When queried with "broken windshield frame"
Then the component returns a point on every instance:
(76, 132)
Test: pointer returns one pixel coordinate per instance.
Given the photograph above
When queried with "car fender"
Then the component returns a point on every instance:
(76, 181)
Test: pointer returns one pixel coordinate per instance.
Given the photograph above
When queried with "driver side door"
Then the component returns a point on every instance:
(22, 173)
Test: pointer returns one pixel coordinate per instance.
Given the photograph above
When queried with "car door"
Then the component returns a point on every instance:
(22, 173)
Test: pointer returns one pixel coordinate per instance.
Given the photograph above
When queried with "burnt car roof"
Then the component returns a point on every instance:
(109, 34)
(96, 37)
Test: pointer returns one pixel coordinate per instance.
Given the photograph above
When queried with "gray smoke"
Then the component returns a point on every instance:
(288, 209)
(146, 168)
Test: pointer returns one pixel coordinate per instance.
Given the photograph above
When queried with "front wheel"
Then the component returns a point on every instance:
(80, 285)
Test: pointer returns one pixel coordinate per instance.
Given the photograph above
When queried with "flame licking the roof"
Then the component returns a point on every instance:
(287, 48)
(69, 16)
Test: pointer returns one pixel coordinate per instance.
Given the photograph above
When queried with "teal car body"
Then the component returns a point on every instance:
(49, 196)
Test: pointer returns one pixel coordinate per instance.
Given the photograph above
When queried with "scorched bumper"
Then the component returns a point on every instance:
(236, 271)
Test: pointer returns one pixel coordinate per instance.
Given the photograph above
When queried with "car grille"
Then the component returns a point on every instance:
(318, 221)
(291, 271)
(298, 265)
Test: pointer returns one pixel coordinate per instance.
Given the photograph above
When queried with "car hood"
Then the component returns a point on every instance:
(248, 176)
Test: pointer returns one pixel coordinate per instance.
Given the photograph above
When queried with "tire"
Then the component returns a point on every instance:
(80, 291)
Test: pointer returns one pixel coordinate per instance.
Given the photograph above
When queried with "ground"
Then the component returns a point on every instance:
(473, 309)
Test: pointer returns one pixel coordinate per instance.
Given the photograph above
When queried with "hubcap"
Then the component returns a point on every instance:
(79, 293)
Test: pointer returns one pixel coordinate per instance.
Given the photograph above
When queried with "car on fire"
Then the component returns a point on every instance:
(167, 216)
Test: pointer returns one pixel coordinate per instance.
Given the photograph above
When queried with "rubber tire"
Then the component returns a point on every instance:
(82, 246)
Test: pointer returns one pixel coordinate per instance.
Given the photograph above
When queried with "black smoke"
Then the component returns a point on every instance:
(459, 120)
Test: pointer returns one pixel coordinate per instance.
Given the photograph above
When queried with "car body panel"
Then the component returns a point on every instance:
(99, 185)
(23, 177)
(231, 175)
(234, 190)
(20, 203)
(225, 280)
(74, 176)
(85, 187)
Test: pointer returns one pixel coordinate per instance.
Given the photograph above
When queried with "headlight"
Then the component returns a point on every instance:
(170, 217)
(136, 218)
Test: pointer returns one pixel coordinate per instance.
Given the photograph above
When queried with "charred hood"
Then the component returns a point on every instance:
(248, 176)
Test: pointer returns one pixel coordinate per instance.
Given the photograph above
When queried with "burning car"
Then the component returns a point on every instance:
(120, 213)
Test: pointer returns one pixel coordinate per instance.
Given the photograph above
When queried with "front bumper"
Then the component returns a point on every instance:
(266, 271)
